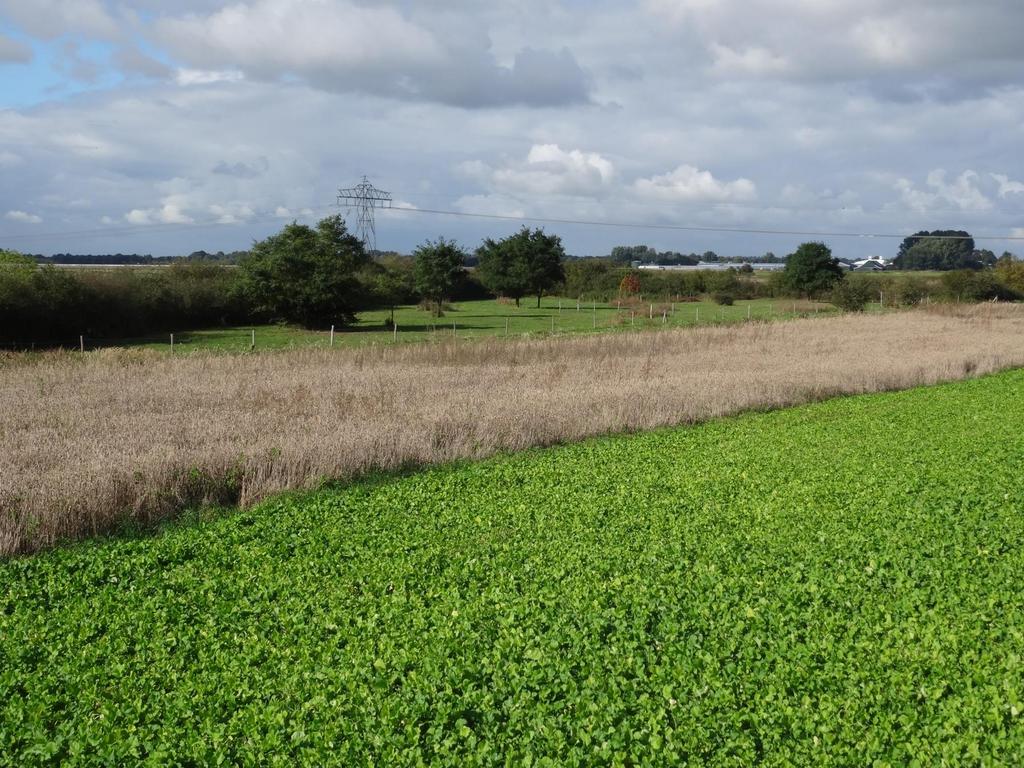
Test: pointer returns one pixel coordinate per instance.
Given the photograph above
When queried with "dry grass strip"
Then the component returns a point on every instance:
(89, 441)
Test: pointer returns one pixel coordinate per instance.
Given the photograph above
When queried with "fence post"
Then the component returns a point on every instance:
(748, 311)
(664, 316)
(332, 335)
(632, 318)
(652, 312)
(394, 328)
(577, 305)
(697, 319)
(454, 330)
(559, 306)
(172, 342)
(506, 326)
(253, 344)
(81, 343)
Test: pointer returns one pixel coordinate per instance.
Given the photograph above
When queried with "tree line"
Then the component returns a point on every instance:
(321, 275)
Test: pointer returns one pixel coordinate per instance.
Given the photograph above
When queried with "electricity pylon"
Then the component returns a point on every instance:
(364, 197)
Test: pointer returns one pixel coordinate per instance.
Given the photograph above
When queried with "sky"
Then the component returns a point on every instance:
(136, 126)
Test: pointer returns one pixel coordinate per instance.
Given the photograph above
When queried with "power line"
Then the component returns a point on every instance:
(695, 228)
(158, 228)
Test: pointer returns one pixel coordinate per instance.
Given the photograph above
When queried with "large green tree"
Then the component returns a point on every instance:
(308, 275)
(438, 271)
(528, 263)
(940, 249)
(811, 270)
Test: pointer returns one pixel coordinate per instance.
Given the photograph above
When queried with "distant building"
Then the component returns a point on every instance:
(869, 265)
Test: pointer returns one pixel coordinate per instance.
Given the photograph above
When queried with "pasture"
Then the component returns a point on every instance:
(489, 318)
(836, 584)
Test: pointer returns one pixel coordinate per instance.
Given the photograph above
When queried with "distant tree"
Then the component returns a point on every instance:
(438, 271)
(626, 254)
(526, 263)
(941, 249)
(307, 275)
(811, 270)
(710, 257)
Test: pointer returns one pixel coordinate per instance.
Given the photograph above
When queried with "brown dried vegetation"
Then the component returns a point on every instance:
(90, 441)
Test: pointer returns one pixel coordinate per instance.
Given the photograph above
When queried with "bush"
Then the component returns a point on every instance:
(723, 299)
(851, 295)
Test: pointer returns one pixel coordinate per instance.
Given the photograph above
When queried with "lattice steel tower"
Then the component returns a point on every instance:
(364, 197)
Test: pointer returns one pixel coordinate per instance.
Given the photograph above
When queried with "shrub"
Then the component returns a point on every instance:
(723, 299)
(851, 295)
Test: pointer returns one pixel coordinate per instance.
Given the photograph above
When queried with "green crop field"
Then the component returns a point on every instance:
(837, 584)
(480, 319)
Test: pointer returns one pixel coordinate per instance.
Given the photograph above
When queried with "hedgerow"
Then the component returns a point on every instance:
(836, 584)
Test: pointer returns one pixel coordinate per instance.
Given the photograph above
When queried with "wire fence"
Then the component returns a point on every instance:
(571, 317)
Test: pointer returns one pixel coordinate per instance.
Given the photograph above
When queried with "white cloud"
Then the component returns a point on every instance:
(689, 184)
(168, 213)
(547, 170)
(1007, 186)
(23, 218)
(10, 160)
(962, 194)
(186, 77)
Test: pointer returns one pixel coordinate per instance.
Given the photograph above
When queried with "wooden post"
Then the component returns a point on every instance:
(172, 342)
(595, 319)
(652, 312)
(395, 332)
(559, 306)
(697, 320)
(81, 343)
(253, 345)
(664, 316)
(454, 331)
(332, 335)
(632, 318)
(748, 311)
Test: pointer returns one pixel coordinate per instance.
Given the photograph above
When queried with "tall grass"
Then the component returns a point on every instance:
(90, 441)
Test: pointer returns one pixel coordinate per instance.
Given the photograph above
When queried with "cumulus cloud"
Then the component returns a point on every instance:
(1007, 186)
(966, 45)
(689, 184)
(12, 50)
(547, 170)
(963, 193)
(344, 46)
(23, 218)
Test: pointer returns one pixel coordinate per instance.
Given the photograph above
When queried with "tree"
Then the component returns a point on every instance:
(941, 249)
(526, 263)
(501, 269)
(438, 270)
(811, 270)
(391, 282)
(306, 275)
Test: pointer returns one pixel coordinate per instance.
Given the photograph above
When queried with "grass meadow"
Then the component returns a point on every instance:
(94, 442)
(835, 584)
(490, 318)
